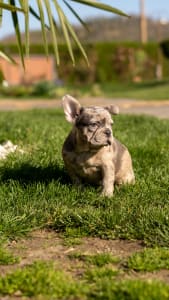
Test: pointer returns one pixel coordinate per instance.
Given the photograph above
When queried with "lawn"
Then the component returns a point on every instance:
(146, 90)
(36, 193)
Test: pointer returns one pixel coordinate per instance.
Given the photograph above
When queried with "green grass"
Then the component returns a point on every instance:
(7, 258)
(97, 273)
(45, 281)
(151, 90)
(150, 260)
(36, 192)
(148, 90)
(99, 259)
(107, 289)
(39, 279)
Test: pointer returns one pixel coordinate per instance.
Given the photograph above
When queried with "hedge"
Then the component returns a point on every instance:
(125, 61)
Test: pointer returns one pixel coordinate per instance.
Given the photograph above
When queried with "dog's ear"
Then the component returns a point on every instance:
(112, 109)
(71, 108)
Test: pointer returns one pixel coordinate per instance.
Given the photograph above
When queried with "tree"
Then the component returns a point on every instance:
(49, 8)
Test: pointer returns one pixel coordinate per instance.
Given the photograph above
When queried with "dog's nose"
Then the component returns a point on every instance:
(108, 132)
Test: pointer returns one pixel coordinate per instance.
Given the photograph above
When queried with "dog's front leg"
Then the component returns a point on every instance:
(108, 174)
(74, 177)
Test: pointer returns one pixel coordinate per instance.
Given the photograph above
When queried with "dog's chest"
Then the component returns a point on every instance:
(85, 165)
(88, 165)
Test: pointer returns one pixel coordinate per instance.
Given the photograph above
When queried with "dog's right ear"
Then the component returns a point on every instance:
(112, 109)
(71, 108)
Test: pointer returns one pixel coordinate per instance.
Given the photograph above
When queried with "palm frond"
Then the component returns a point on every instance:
(74, 36)
(101, 6)
(43, 26)
(10, 7)
(7, 57)
(1, 14)
(45, 7)
(25, 6)
(17, 31)
(75, 14)
(40, 17)
(52, 26)
(65, 30)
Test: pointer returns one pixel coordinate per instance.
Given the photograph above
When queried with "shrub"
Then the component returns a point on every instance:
(165, 48)
(110, 61)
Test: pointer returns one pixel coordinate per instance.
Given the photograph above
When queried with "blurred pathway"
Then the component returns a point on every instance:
(155, 108)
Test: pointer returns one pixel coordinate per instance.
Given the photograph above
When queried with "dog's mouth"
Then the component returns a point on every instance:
(97, 139)
(98, 144)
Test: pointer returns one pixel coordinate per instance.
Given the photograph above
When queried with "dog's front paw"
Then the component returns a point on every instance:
(107, 192)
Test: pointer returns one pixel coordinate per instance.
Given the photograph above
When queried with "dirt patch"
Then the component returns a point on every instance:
(50, 246)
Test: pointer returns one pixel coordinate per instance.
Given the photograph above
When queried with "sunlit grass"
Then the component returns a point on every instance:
(36, 192)
(42, 280)
(150, 260)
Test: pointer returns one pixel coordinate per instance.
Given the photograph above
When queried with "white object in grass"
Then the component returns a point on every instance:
(6, 148)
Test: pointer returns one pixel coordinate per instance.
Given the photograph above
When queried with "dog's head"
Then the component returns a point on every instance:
(93, 125)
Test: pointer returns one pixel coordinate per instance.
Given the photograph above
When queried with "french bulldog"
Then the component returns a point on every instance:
(91, 153)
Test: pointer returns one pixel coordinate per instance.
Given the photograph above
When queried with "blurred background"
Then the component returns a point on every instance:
(129, 57)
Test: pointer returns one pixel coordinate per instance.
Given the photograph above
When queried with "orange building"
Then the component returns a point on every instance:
(37, 68)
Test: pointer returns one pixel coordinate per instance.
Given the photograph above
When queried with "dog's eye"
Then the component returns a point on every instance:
(80, 124)
(93, 125)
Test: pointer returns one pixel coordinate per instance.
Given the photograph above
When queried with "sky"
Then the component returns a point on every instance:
(158, 9)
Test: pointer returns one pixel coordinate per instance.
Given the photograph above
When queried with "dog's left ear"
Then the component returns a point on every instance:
(112, 109)
(71, 108)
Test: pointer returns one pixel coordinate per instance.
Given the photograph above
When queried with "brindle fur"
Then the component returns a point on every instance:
(90, 152)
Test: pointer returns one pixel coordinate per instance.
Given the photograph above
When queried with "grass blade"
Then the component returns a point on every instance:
(43, 26)
(102, 6)
(18, 34)
(62, 19)
(52, 26)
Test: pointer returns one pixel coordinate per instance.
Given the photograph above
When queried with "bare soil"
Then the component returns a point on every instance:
(47, 245)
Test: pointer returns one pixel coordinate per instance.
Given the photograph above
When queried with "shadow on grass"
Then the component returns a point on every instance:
(27, 173)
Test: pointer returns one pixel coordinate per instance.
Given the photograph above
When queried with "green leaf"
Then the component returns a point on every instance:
(1, 13)
(10, 7)
(101, 6)
(74, 36)
(67, 28)
(43, 26)
(39, 18)
(63, 22)
(75, 14)
(7, 57)
(52, 26)
(25, 6)
(18, 34)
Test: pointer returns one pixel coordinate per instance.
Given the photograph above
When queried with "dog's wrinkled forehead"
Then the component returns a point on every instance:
(93, 113)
